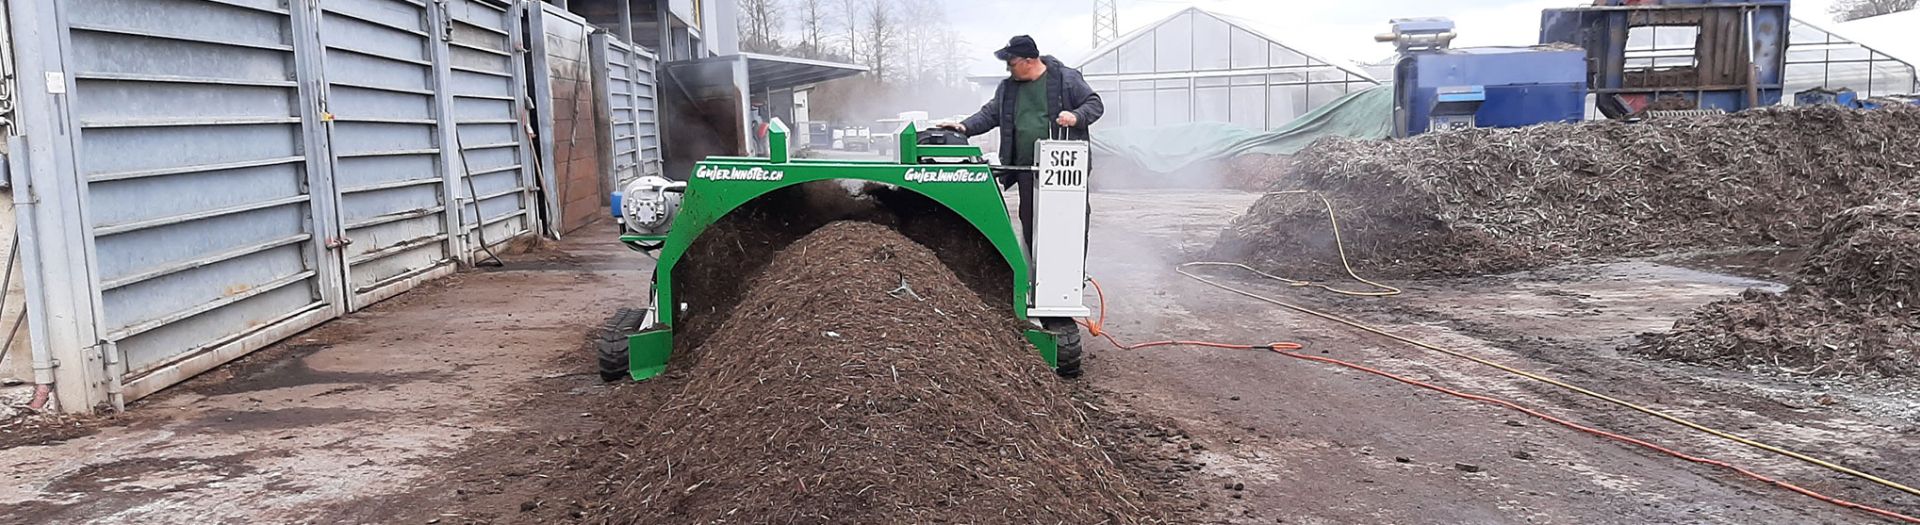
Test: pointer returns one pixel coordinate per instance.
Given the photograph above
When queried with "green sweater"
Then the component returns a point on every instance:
(1030, 122)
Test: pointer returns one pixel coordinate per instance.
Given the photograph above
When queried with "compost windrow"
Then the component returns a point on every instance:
(1487, 201)
(858, 380)
(1853, 311)
(710, 278)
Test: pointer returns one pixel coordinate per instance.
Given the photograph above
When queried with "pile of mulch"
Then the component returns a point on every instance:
(1257, 172)
(1870, 257)
(32, 429)
(858, 380)
(711, 275)
(1496, 200)
(1852, 313)
(710, 278)
(1801, 333)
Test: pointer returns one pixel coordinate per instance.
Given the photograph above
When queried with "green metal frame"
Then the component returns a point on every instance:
(722, 184)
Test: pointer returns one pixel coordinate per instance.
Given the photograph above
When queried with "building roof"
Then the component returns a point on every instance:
(765, 72)
(1233, 21)
(1890, 34)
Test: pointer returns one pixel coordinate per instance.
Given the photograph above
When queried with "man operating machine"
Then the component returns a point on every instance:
(1041, 99)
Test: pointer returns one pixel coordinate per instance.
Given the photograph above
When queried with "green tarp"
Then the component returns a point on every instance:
(1366, 114)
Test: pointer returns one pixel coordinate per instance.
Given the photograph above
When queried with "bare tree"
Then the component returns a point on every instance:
(921, 22)
(1844, 10)
(850, 17)
(949, 65)
(813, 21)
(760, 25)
(883, 36)
(913, 51)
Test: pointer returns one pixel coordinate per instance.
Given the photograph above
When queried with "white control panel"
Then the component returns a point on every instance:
(1060, 229)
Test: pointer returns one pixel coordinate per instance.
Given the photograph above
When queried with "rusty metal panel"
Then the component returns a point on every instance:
(579, 190)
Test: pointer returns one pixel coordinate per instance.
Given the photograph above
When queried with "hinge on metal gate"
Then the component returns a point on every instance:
(116, 362)
(337, 242)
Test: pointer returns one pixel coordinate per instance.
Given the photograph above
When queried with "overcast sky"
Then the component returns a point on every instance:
(1335, 30)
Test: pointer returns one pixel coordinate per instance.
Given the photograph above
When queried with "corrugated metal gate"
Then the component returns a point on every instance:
(647, 109)
(488, 90)
(635, 122)
(247, 170)
(615, 61)
(192, 143)
(382, 121)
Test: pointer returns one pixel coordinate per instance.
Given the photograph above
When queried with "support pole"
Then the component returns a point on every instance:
(666, 46)
(626, 21)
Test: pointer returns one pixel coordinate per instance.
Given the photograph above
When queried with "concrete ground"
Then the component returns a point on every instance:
(350, 410)
(374, 418)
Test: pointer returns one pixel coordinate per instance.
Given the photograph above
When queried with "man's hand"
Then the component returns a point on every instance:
(1067, 119)
(956, 126)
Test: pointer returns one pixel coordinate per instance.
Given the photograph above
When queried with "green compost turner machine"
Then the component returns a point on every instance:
(665, 217)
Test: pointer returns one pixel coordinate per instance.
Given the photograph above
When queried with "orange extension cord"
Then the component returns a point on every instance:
(1097, 328)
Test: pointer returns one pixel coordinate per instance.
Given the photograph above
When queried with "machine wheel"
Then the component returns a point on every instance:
(611, 347)
(1066, 336)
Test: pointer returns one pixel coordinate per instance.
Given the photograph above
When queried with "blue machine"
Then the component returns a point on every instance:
(1846, 98)
(1842, 97)
(1737, 53)
(1437, 88)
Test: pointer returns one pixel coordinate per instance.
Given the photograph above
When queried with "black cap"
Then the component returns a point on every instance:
(1021, 46)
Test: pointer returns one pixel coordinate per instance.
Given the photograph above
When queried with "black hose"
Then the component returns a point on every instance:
(479, 219)
(6, 285)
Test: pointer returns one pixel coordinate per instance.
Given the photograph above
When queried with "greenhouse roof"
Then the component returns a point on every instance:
(1891, 35)
(1234, 22)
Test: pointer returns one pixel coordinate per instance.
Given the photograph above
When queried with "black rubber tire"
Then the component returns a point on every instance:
(611, 347)
(1066, 337)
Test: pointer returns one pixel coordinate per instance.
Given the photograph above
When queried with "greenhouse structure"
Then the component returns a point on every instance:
(1200, 66)
(1858, 55)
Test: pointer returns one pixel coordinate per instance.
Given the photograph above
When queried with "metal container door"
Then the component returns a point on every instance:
(383, 120)
(623, 110)
(487, 86)
(646, 107)
(572, 108)
(193, 145)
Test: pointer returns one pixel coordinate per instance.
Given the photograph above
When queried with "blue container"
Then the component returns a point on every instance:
(1829, 97)
(1523, 86)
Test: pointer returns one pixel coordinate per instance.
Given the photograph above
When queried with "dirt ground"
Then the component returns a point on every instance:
(368, 405)
(412, 411)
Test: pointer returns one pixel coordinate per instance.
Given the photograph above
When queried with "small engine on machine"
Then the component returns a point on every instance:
(647, 205)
